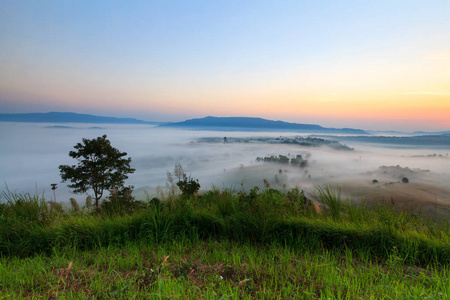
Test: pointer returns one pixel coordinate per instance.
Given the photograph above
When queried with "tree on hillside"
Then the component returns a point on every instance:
(100, 167)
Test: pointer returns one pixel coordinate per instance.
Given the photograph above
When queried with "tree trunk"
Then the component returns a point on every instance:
(96, 201)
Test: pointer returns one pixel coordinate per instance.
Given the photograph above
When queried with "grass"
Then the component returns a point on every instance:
(217, 270)
(263, 244)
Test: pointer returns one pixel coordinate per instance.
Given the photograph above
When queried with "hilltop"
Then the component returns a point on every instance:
(245, 123)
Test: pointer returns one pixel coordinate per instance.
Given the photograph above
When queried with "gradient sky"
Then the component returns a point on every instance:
(367, 64)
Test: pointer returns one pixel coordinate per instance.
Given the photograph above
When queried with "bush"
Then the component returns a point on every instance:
(121, 202)
(187, 185)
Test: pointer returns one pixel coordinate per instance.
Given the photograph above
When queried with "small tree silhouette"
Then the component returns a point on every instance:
(100, 167)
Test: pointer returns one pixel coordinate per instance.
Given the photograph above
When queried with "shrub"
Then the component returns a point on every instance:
(187, 185)
(121, 202)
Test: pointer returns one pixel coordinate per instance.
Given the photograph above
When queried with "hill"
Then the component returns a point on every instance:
(246, 123)
(68, 117)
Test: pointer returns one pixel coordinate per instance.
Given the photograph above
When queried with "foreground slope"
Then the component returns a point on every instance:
(265, 244)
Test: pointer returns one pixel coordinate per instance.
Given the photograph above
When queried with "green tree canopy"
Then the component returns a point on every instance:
(100, 167)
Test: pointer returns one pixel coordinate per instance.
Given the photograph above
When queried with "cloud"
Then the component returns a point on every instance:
(428, 93)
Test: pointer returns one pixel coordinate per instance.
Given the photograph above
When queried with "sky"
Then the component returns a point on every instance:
(380, 65)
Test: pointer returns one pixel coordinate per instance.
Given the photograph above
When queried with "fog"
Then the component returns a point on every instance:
(31, 153)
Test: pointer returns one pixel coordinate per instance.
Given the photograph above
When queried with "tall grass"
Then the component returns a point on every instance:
(26, 209)
(331, 200)
(29, 225)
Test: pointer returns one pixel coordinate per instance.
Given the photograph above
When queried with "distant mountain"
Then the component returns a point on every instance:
(68, 117)
(244, 123)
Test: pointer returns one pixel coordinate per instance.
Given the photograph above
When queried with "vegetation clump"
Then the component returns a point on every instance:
(187, 185)
(121, 201)
(300, 141)
(297, 161)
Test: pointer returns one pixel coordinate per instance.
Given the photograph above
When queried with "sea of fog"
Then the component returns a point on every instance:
(30, 154)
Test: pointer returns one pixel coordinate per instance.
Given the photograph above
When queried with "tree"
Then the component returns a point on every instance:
(100, 167)
(187, 185)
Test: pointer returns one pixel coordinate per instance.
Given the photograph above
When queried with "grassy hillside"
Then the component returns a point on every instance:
(264, 244)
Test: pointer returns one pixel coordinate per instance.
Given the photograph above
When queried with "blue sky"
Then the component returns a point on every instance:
(349, 63)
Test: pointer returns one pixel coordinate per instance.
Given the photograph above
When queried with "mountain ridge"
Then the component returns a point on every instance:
(69, 117)
(227, 123)
(209, 122)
